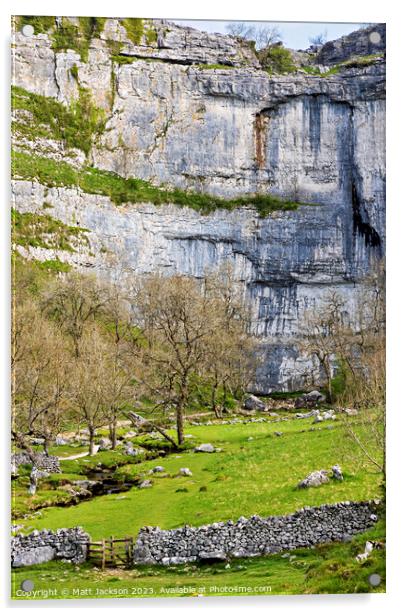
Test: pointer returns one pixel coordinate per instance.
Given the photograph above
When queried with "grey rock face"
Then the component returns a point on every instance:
(319, 140)
(364, 42)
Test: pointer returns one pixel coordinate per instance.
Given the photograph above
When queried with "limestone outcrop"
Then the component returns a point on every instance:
(195, 111)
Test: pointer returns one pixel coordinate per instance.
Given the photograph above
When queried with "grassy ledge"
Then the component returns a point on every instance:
(77, 126)
(43, 231)
(131, 190)
(353, 62)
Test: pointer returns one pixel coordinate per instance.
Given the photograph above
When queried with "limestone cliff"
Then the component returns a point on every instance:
(195, 111)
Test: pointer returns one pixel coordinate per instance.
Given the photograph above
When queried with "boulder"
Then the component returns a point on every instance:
(337, 472)
(34, 556)
(306, 415)
(314, 479)
(318, 419)
(158, 469)
(205, 448)
(350, 412)
(186, 472)
(145, 484)
(212, 557)
(314, 396)
(105, 444)
(61, 441)
(37, 441)
(130, 450)
(252, 403)
(309, 400)
(14, 470)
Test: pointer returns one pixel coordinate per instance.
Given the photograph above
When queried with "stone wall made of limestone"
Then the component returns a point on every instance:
(254, 536)
(68, 544)
(50, 464)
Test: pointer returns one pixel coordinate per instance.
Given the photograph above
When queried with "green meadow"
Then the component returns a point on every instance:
(256, 472)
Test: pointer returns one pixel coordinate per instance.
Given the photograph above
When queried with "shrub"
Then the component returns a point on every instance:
(276, 59)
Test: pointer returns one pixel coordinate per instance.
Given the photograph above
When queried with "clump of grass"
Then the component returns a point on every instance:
(40, 23)
(55, 265)
(77, 37)
(134, 28)
(132, 190)
(151, 35)
(77, 125)
(31, 229)
(122, 59)
(207, 67)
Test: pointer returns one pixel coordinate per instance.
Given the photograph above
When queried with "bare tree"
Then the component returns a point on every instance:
(263, 35)
(231, 359)
(74, 302)
(89, 383)
(354, 345)
(240, 29)
(320, 328)
(319, 39)
(40, 376)
(177, 321)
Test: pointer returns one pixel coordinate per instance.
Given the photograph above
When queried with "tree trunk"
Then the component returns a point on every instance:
(329, 380)
(224, 401)
(113, 431)
(46, 446)
(179, 424)
(213, 400)
(91, 441)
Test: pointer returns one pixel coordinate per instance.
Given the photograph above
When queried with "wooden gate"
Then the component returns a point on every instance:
(111, 552)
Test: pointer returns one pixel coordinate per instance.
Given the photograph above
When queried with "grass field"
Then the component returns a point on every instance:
(325, 569)
(256, 472)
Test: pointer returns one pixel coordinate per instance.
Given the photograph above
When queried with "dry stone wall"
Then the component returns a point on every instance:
(68, 544)
(220, 541)
(49, 464)
(254, 536)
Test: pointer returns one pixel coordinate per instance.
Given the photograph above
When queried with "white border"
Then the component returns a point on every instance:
(358, 11)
